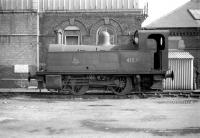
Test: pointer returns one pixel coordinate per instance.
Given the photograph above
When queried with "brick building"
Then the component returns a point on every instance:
(184, 26)
(27, 27)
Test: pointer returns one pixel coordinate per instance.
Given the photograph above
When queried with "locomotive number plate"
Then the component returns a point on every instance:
(131, 60)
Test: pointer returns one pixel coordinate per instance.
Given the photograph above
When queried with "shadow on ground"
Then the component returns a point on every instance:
(99, 126)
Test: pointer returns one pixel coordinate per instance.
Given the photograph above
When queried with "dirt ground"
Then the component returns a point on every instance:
(23, 117)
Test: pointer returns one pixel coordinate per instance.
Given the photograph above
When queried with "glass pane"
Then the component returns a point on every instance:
(71, 40)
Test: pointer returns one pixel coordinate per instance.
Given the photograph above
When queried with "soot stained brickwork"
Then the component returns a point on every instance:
(123, 23)
(18, 36)
(17, 46)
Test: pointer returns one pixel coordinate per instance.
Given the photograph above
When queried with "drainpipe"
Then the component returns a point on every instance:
(38, 33)
(36, 8)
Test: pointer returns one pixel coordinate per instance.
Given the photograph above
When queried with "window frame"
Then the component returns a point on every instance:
(68, 31)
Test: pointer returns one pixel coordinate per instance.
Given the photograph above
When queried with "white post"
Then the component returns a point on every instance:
(192, 75)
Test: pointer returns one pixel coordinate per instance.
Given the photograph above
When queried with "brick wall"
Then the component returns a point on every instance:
(17, 50)
(17, 23)
(123, 22)
(18, 36)
(17, 46)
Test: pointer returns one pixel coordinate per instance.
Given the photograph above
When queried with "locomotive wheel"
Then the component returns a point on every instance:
(79, 89)
(123, 85)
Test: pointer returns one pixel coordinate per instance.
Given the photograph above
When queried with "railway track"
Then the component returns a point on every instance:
(133, 95)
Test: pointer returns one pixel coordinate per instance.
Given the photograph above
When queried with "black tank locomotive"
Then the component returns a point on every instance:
(137, 66)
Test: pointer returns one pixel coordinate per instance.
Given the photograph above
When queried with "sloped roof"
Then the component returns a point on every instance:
(180, 55)
(180, 17)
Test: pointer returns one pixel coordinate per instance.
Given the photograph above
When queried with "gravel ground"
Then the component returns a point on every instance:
(23, 117)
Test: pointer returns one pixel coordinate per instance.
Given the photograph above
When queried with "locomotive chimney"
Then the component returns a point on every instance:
(104, 39)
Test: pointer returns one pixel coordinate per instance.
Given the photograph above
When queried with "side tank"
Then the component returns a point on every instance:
(141, 58)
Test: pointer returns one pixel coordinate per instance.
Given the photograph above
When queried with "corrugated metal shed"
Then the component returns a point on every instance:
(182, 65)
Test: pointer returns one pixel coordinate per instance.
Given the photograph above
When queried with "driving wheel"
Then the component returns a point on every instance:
(122, 85)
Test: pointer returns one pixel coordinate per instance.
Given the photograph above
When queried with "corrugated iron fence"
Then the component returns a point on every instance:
(67, 4)
(16, 4)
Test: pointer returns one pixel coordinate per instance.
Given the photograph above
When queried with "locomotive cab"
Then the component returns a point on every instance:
(157, 41)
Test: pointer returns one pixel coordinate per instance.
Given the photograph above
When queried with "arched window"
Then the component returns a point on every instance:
(72, 35)
(109, 30)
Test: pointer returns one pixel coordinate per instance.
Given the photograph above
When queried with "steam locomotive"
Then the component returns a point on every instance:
(137, 66)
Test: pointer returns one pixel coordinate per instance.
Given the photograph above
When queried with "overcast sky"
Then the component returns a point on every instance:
(159, 8)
